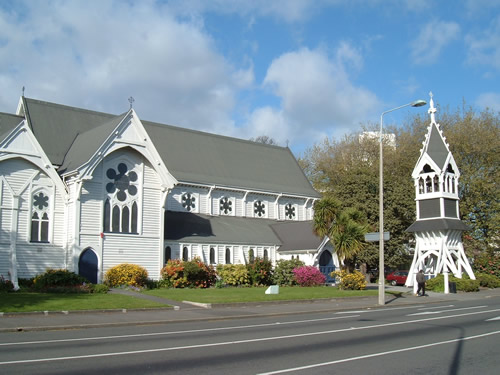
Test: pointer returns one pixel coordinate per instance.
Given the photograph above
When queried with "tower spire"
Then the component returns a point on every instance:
(432, 109)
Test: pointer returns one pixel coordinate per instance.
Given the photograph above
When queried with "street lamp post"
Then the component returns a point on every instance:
(381, 273)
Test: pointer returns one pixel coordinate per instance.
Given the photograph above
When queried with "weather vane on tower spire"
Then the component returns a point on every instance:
(432, 109)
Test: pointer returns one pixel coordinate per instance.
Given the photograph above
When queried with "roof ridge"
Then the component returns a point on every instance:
(76, 109)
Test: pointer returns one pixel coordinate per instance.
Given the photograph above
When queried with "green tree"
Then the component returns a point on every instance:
(345, 229)
(347, 170)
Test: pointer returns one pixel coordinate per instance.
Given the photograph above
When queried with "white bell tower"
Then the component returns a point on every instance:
(438, 229)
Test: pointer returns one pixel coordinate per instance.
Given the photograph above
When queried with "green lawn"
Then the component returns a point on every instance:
(24, 302)
(230, 295)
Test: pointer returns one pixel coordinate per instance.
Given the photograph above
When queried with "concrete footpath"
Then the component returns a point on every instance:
(189, 312)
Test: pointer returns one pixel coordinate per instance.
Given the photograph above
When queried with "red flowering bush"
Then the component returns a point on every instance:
(488, 263)
(308, 276)
(260, 272)
(190, 274)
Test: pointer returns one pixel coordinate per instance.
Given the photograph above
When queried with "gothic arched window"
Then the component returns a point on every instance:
(121, 208)
(168, 254)
(228, 256)
(251, 256)
(266, 254)
(40, 218)
(212, 255)
(428, 185)
(185, 254)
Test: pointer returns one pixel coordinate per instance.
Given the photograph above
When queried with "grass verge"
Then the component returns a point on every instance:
(232, 295)
(28, 302)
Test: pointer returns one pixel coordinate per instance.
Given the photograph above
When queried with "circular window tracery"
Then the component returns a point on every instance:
(259, 208)
(289, 211)
(226, 205)
(188, 201)
(122, 182)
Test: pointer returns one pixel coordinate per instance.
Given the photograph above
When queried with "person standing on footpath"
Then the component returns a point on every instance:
(421, 283)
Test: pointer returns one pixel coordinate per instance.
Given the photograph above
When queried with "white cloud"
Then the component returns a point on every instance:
(97, 54)
(489, 100)
(484, 48)
(317, 97)
(431, 40)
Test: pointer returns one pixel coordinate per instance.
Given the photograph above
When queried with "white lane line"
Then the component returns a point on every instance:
(174, 332)
(224, 343)
(379, 354)
(436, 307)
(497, 318)
(377, 310)
(445, 311)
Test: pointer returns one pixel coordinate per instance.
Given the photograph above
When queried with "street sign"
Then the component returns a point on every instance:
(375, 237)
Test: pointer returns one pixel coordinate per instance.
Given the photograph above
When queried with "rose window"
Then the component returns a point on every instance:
(122, 182)
(289, 211)
(259, 208)
(226, 205)
(188, 201)
(40, 201)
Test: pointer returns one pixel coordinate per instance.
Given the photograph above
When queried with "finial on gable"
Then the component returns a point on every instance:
(131, 100)
(432, 109)
(23, 92)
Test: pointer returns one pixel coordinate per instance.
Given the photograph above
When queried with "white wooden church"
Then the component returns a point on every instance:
(84, 191)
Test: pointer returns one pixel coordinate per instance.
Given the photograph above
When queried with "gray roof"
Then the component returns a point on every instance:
(198, 228)
(70, 136)
(87, 142)
(56, 126)
(7, 123)
(436, 147)
(193, 156)
(297, 235)
(437, 224)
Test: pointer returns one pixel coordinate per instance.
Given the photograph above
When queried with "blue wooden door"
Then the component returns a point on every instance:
(87, 265)
(326, 265)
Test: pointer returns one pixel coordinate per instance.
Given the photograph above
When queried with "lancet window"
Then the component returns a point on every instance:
(40, 217)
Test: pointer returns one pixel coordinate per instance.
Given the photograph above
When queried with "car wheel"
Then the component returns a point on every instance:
(393, 283)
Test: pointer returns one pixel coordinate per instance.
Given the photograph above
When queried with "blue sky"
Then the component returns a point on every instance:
(294, 70)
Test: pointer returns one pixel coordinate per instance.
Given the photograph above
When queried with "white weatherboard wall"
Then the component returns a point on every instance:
(144, 248)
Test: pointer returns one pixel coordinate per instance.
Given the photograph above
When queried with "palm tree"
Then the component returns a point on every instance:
(345, 229)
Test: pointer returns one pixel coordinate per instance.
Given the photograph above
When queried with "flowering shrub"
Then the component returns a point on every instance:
(126, 274)
(308, 276)
(187, 274)
(233, 274)
(260, 272)
(487, 263)
(349, 281)
(5, 285)
(283, 272)
(487, 280)
(53, 279)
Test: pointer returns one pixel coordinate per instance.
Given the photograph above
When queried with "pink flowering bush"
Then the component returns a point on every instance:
(308, 276)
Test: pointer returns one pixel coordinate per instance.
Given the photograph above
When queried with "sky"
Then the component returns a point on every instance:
(293, 70)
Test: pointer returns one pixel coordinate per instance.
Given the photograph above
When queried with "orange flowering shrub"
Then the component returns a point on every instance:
(190, 274)
(126, 274)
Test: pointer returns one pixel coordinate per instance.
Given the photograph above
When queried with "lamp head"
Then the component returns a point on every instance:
(418, 103)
